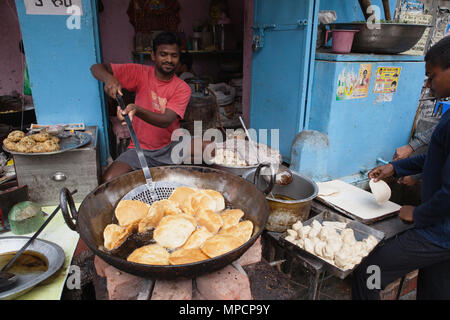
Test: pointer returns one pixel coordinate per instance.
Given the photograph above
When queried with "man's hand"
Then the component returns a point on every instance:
(381, 172)
(408, 181)
(402, 152)
(131, 110)
(112, 87)
(407, 214)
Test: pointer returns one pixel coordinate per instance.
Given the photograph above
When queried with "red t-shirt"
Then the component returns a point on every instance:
(154, 95)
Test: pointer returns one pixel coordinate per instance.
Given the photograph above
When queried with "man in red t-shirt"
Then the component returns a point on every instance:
(161, 100)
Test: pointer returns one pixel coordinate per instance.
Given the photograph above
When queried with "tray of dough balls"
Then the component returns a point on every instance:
(43, 143)
(339, 242)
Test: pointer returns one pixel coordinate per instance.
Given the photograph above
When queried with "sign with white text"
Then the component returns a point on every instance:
(53, 7)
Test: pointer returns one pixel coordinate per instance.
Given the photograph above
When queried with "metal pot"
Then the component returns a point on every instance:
(389, 38)
(292, 202)
(97, 210)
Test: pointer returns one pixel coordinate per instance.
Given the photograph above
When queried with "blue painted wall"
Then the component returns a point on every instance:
(362, 130)
(59, 59)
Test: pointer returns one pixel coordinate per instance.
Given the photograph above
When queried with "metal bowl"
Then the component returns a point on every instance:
(237, 170)
(52, 252)
(390, 38)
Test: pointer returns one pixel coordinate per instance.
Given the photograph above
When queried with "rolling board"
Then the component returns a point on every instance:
(354, 202)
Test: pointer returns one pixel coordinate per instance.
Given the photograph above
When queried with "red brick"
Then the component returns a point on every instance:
(410, 283)
(252, 255)
(391, 290)
(197, 295)
(225, 284)
(172, 290)
(100, 266)
(122, 285)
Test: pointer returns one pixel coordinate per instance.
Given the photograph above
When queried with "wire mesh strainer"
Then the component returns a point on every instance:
(151, 191)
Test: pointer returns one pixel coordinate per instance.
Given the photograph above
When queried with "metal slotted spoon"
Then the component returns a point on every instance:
(151, 191)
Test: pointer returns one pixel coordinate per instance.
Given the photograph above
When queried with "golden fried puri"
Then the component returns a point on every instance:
(27, 141)
(209, 219)
(183, 256)
(38, 148)
(231, 217)
(23, 148)
(16, 135)
(35, 143)
(151, 254)
(9, 144)
(242, 231)
(130, 212)
(40, 137)
(197, 238)
(50, 146)
(173, 231)
(220, 244)
(114, 235)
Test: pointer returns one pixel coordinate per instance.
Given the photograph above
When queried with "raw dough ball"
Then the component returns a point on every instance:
(348, 236)
(328, 252)
(327, 232)
(300, 243)
(292, 233)
(304, 232)
(359, 249)
(316, 225)
(370, 242)
(334, 244)
(319, 247)
(290, 239)
(308, 245)
(343, 257)
(380, 190)
(297, 226)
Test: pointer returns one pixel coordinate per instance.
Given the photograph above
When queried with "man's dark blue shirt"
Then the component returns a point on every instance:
(432, 216)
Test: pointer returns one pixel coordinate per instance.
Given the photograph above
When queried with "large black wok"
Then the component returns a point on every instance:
(97, 210)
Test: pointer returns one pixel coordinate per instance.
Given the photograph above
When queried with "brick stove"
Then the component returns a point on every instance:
(229, 283)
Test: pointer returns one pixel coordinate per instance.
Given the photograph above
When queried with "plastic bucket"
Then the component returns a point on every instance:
(342, 40)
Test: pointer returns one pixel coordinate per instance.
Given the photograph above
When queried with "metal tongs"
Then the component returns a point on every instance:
(140, 153)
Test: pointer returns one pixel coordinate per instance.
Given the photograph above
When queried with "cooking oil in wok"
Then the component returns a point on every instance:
(29, 262)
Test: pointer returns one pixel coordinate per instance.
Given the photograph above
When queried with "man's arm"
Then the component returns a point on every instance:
(421, 139)
(104, 73)
(399, 168)
(438, 207)
(162, 120)
(409, 166)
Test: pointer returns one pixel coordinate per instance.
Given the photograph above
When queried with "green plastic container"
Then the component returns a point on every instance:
(25, 217)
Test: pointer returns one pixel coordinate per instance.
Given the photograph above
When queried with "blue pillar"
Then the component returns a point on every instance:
(309, 155)
(59, 59)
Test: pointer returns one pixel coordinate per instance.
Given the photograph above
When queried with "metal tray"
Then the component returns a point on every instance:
(361, 231)
(53, 253)
(76, 140)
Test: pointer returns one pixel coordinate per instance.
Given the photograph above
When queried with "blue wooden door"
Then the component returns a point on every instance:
(59, 57)
(284, 36)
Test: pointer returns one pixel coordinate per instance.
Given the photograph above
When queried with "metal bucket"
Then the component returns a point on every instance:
(283, 212)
